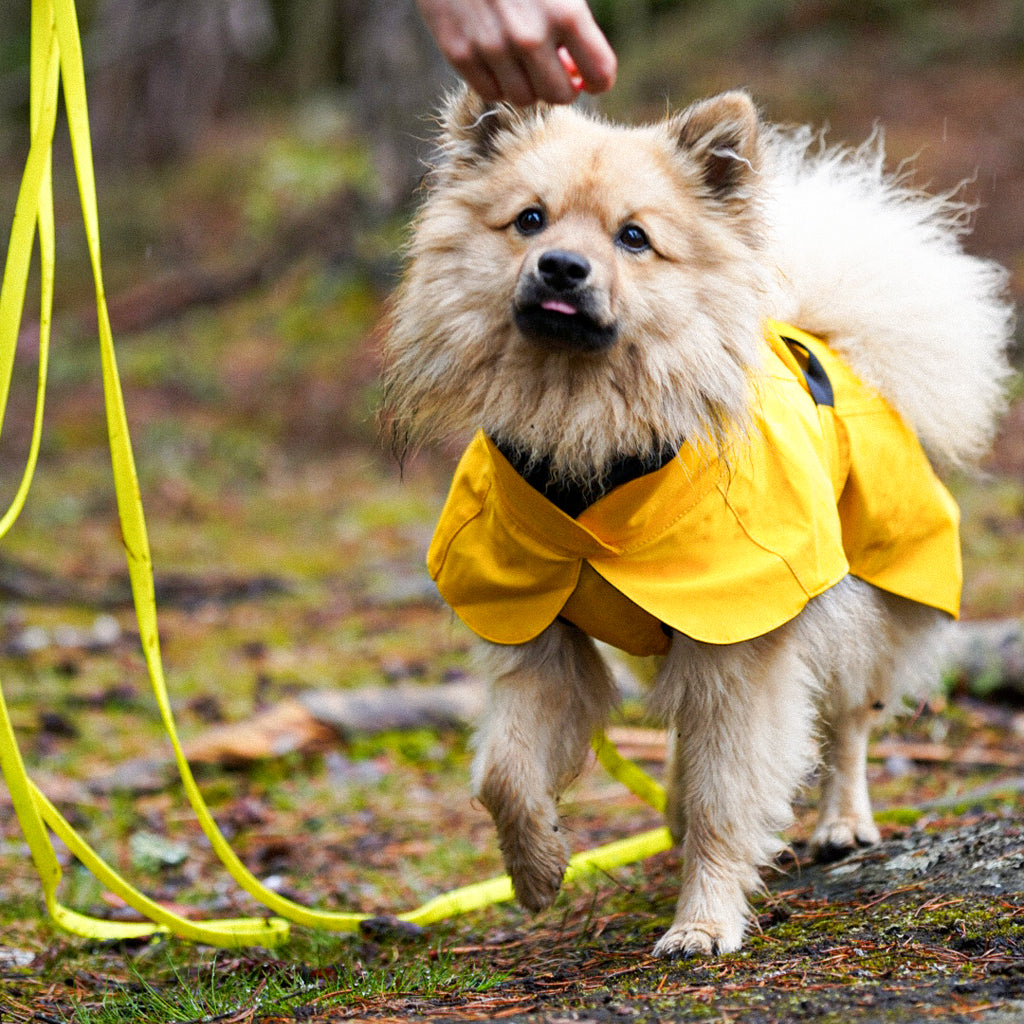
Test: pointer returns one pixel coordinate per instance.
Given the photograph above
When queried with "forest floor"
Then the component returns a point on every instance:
(246, 287)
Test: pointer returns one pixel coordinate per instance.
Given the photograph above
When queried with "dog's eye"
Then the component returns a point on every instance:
(530, 221)
(634, 238)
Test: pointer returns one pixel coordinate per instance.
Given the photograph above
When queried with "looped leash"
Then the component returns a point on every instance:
(56, 59)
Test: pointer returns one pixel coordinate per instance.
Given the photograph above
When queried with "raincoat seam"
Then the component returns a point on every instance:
(649, 536)
(758, 543)
(480, 505)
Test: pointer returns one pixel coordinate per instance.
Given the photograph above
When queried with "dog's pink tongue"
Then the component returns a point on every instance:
(555, 306)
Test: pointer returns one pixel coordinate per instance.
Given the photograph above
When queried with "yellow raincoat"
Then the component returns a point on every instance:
(722, 550)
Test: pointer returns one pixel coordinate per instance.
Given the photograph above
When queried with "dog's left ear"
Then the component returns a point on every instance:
(722, 135)
(472, 129)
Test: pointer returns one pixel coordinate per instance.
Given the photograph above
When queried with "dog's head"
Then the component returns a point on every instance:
(580, 289)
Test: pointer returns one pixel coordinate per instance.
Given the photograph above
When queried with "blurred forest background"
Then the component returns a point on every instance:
(335, 97)
(258, 161)
(257, 164)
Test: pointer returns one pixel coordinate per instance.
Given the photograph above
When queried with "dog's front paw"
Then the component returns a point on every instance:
(533, 844)
(536, 856)
(835, 838)
(698, 938)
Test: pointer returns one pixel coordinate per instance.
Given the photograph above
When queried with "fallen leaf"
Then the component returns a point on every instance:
(285, 728)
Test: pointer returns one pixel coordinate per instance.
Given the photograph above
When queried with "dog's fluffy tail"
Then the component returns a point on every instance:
(877, 269)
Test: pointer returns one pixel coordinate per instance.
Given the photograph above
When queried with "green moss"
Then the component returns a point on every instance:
(903, 816)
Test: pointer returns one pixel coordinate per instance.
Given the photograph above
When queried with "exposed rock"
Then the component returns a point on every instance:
(988, 656)
(986, 857)
(136, 775)
(405, 706)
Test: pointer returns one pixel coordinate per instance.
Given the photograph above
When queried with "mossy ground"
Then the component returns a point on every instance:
(288, 553)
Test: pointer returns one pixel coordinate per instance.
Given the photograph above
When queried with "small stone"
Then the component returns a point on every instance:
(11, 958)
(384, 927)
(30, 640)
(151, 852)
(106, 632)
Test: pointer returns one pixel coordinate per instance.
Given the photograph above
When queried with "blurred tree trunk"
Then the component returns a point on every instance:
(382, 49)
(315, 33)
(163, 69)
(399, 76)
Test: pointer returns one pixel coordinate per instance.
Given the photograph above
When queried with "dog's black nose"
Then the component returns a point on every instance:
(562, 271)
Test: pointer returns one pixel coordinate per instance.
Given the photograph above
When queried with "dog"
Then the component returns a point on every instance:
(704, 360)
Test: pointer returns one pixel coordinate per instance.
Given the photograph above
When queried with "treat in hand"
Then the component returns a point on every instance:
(570, 66)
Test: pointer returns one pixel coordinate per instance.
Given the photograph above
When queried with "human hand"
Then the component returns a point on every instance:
(522, 50)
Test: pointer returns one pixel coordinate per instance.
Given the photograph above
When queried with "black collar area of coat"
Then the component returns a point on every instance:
(572, 496)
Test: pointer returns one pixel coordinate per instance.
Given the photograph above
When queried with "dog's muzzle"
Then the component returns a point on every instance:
(555, 304)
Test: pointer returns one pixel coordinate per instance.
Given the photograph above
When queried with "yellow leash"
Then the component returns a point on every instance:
(56, 59)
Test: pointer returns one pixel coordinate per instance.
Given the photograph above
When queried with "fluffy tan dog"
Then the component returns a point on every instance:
(701, 358)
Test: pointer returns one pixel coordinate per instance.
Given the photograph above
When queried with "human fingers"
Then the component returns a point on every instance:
(508, 49)
(551, 80)
(559, 47)
(478, 77)
(515, 78)
(465, 30)
(551, 71)
(518, 44)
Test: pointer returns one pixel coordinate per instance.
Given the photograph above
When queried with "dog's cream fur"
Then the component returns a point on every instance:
(747, 222)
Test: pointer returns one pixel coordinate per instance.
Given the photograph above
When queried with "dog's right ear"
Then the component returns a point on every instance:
(471, 127)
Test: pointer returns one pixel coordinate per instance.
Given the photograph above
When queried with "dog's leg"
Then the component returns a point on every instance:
(845, 820)
(675, 787)
(743, 716)
(547, 698)
(889, 647)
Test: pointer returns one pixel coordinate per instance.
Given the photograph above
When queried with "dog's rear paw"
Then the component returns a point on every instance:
(835, 839)
(698, 938)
